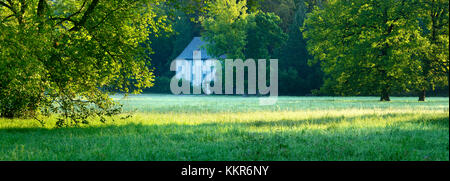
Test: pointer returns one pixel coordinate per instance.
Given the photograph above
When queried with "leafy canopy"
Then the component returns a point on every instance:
(67, 56)
(366, 46)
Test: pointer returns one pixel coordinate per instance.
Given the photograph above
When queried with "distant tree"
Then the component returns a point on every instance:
(285, 9)
(224, 28)
(296, 75)
(231, 31)
(366, 46)
(183, 17)
(434, 17)
(67, 56)
(166, 47)
(264, 35)
(185, 30)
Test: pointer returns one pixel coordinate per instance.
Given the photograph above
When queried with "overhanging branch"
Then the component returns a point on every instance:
(83, 20)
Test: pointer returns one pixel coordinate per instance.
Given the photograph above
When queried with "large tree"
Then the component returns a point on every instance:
(433, 18)
(366, 46)
(225, 28)
(66, 56)
(264, 36)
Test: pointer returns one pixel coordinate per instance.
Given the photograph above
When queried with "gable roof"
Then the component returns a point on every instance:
(196, 44)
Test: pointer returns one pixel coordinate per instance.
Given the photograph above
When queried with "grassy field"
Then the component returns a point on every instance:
(167, 127)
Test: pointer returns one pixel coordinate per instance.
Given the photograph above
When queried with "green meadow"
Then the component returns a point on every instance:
(236, 128)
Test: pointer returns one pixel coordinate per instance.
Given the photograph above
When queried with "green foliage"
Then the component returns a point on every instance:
(366, 47)
(285, 9)
(296, 76)
(168, 127)
(264, 35)
(67, 56)
(232, 32)
(168, 45)
(224, 28)
(162, 85)
(434, 24)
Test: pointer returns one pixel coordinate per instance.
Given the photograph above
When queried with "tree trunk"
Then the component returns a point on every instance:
(385, 95)
(422, 95)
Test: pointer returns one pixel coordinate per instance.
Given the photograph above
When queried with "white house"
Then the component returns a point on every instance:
(195, 55)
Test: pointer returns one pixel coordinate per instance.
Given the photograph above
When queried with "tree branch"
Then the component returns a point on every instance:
(83, 20)
(9, 7)
(68, 18)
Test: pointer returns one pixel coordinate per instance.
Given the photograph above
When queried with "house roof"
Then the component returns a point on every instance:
(196, 44)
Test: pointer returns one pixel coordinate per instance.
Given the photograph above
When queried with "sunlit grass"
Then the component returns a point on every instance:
(236, 128)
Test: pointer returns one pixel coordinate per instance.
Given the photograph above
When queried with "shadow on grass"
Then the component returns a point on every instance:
(439, 122)
(404, 140)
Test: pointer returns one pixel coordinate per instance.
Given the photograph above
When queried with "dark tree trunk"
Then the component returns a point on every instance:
(385, 95)
(422, 95)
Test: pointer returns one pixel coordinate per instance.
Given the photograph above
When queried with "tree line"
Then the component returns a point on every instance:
(380, 47)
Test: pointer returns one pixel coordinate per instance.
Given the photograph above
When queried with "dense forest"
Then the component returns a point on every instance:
(296, 75)
(300, 72)
(69, 56)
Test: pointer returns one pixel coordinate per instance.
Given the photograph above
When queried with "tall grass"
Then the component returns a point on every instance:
(166, 127)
